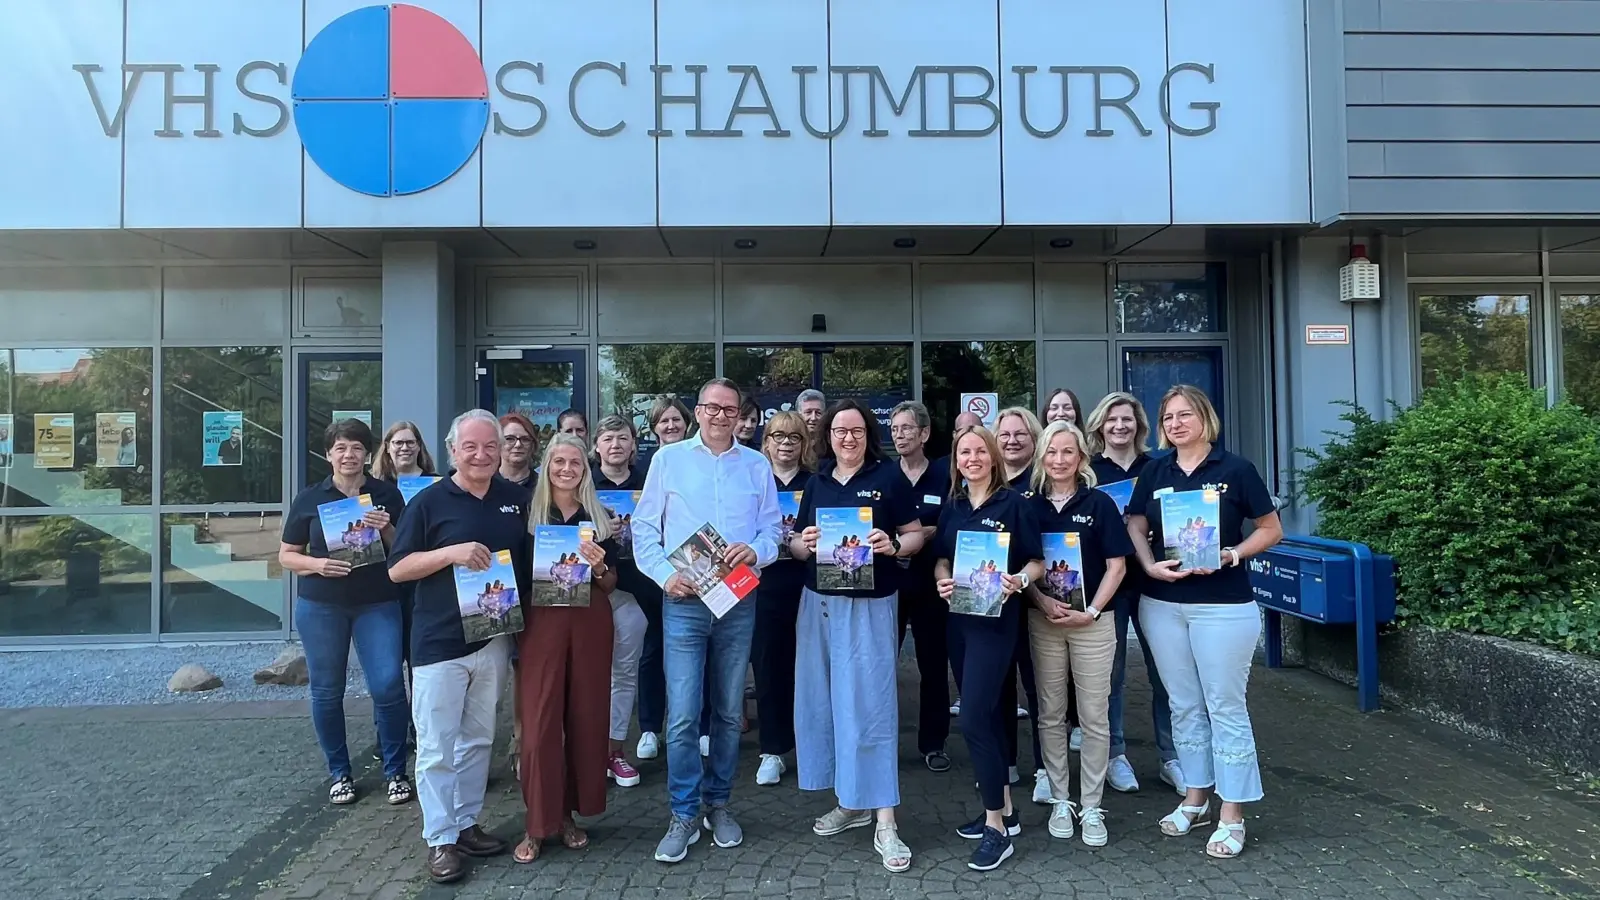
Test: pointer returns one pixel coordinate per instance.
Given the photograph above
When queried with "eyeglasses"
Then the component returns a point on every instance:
(785, 437)
(904, 430)
(403, 444)
(857, 433)
(513, 440)
(726, 412)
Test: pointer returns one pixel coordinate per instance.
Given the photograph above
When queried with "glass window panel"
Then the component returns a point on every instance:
(75, 575)
(878, 375)
(773, 376)
(222, 425)
(633, 375)
(1183, 298)
(951, 368)
(1478, 333)
(1580, 349)
(212, 304)
(220, 572)
(1149, 372)
(350, 387)
(76, 427)
(82, 304)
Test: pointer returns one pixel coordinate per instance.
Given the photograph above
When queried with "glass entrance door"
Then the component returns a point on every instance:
(878, 375)
(537, 383)
(1147, 373)
(336, 386)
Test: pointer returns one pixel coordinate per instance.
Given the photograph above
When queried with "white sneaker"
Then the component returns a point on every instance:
(1119, 774)
(1022, 711)
(1041, 787)
(705, 745)
(1014, 777)
(649, 746)
(771, 770)
(1172, 773)
(1094, 826)
(1076, 740)
(1061, 821)
(955, 708)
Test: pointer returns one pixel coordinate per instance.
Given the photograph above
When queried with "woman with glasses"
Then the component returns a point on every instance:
(847, 717)
(1202, 620)
(772, 651)
(921, 609)
(1017, 436)
(1061, 406)
(615, 453)
(749, 423)
(1119, 438)
(402, 453)
(521, 448)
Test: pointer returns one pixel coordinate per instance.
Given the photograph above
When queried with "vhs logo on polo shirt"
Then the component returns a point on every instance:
(1214, 489)
(998, 526)
(513, 508)
(870, 495)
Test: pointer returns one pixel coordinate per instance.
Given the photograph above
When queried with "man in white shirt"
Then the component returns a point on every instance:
(707, 478)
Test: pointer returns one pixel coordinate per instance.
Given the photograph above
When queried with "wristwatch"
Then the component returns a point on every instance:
(1025, 579)
(894, 543)
(1093, 611)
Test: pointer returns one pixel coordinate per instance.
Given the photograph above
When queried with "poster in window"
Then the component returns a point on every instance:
(53, 440)
(223, 438)
(116, 440)
(5, 441)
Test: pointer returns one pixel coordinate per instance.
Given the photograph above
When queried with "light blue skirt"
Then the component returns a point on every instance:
(846, 709)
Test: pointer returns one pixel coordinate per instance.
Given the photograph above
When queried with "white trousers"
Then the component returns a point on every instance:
(1203, 652)
(453, 707)
(627, 645)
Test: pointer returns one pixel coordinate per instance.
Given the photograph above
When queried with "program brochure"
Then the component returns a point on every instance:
(560, 573)
(349, 538)
(699, 559)
(488, 599)
(978, 568)
(1189, 529)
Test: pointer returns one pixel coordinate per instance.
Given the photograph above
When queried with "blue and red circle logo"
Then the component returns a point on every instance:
(390, 100)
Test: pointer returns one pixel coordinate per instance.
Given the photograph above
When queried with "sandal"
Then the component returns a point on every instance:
(399, 790)
(895, 854)
(1185, 818)
(527, 851)
(342, 792)
(1227, 841)
(573, 837)
(839, 820)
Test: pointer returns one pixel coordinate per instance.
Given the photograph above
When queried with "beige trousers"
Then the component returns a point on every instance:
(1089, 651)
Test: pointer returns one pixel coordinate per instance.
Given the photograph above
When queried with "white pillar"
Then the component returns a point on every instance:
(419, 338)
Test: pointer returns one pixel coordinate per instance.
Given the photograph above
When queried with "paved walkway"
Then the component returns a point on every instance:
(227, 801)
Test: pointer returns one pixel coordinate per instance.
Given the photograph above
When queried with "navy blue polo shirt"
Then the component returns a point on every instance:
(1108, 471)
(443, 515)
(634, 481)
(786, 576)
(1024, 480)
(629, 578)
(1243, 495)
(930, 492)
(1006, 510)
(880, 485)
(303, 528)
(1101, 532)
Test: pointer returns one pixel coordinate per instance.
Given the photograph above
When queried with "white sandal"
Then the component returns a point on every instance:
(1230, 836)
(886, 840)
(1185, 819)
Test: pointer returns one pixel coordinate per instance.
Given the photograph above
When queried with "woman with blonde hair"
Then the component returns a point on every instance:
(616, 451)
(1016, 433)
(402, 453)
(1203, 622)
(563, 696)
(1073, 644)
(1119, 439)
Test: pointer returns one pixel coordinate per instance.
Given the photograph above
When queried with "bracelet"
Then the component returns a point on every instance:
(1235, 552)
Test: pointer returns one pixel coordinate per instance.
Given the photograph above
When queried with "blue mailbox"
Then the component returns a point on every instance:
(1330, 583)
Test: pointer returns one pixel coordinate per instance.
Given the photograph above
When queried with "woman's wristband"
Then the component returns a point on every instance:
(1235, 552)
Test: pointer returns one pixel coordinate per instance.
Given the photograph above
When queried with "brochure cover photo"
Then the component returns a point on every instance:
(789, 509)
(1063, 569)
(560, 573)
(1189, 529)
(349, 538)
(844, 560)
(412, 485)
(699, 558)
(622, 504)
(488, 599)
(979, 565)
(1121, 492)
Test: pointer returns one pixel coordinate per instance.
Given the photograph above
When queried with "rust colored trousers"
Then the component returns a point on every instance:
(564, 705)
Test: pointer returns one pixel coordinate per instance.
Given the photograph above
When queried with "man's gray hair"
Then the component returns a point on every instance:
(808, 395)
(919, 413)
(473, 415)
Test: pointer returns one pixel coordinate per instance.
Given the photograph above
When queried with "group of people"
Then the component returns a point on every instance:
(823, 654)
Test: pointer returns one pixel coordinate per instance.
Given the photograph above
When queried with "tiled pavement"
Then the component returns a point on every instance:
(227, 801)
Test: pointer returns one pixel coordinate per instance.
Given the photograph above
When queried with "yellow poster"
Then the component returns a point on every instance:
(115, 440)
(52, 440)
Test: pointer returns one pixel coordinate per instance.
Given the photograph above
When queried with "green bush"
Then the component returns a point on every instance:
(1489, 502)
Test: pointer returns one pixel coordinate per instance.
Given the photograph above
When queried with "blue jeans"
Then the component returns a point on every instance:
(697, 643)
(1160, 708)
(326, 630)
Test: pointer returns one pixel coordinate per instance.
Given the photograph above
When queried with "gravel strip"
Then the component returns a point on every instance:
(116, 676)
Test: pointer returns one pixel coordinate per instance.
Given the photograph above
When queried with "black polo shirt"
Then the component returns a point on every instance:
(634, 481)
(1101, 532)
(1108, 471)
(879, 485)
(303, 528)
(786, 576)
(1024, 480)
(629, 578)
(1243, 495)
(931, 492)
(1006, 510)
(443, 515)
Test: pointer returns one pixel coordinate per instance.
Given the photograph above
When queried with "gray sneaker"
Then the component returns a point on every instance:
(675, 846)
(725, 832)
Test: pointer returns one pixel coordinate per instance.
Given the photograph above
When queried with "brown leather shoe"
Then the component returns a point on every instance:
(477, 842)
(446, 864)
